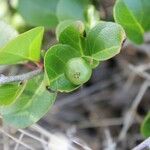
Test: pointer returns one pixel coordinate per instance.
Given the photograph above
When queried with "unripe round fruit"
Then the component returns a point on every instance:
(78, 71)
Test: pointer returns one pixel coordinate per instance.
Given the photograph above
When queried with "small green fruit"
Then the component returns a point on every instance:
(78, 71)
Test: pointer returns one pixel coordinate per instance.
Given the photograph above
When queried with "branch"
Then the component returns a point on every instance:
(144, 145)
(22, 77)
(129, 116)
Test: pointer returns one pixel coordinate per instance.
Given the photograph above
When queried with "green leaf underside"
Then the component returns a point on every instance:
(133, 16)
(71, 9)
(39, 12)
(9, 93)
(104, 41)
(7, 33)
(25, 47)
(55, 61)
(145, 128)
(68, 33)
(32, 105)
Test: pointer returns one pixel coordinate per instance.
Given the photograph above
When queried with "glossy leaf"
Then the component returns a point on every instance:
(145, 128)
(71, 9)
(71, 32)
(55, 61)
(25, 47)
(7, 33)
(9, 93)
(133, 16)
(39, 12)
(104, 41)
(31, 106)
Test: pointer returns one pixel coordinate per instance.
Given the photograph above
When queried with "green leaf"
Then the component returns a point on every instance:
(9, 93)
(92, 16)
(71, 9)
(25, 47)
(70, 32)
(62, 26)
(62, 84)
(39, 12)
(133, 16)
(145, 128)
(31, 106)
(55, 61)
(7, 33)
(104, 41)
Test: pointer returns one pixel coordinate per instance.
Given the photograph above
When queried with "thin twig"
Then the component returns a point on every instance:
(44, 146)
(80, 143)
(22, 77)
(129, 82)
(16, 140)
(140, 72)
(145, 144)
(41, 130)
(130, 115)
(5, 139)
(109, 143)
(102, 123)
(73, 139)
(32, 136)
(17, 144)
